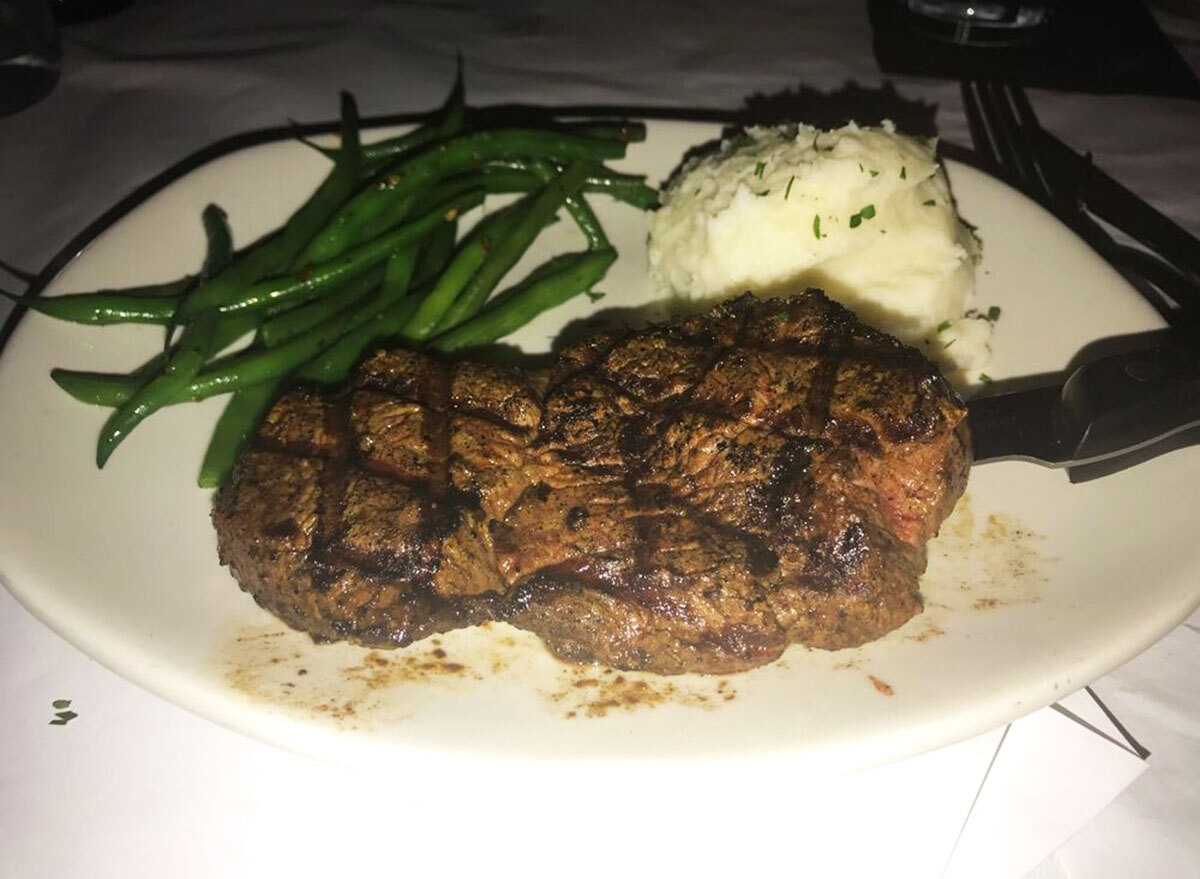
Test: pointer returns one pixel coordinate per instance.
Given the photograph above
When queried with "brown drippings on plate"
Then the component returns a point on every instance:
(591, 691)
(276, 666)
(881, 686)
(978, 565)
(355, 686)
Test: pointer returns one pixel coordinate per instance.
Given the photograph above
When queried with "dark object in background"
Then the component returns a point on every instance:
(30, 54)
(1100, 46)
(981, 23)
(72, 11)
(851, 102)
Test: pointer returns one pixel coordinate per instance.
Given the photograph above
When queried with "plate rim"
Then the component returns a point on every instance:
(95, 229)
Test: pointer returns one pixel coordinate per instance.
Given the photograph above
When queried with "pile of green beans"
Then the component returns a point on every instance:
(375, 255)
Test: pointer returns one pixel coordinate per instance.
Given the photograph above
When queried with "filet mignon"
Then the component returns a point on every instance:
(690, 497)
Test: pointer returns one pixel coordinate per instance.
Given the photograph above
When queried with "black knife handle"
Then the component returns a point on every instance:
(1121, 403)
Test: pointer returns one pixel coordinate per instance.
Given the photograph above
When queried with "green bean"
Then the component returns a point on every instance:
(463, 265)
(585, 218)
(454, 110)
(206, 335)
(145, 304)
(336, 362)
(554, 265)
(531, 299)
(278, 252)
(230, 329)
(291, 323)
(421, 202)
(436, 253)
(629, 188)
(97, 388)
(251, 367)
(504, 180)
(579, 209)
(257, 366)
(445, 159)
(109, 389)
(398, 273)
(390, 216)
(509, 248)
(494, 181)
(452, 114)
(315, 279)
(238, 421)
(377, 154)
(112, 389)
(102, 309)
(218, 238)
(448, 188)
(196, 346)
(388, 314)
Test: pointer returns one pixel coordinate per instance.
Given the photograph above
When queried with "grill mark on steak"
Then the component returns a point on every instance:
(689, 497)
(330, 500)
(820, 393)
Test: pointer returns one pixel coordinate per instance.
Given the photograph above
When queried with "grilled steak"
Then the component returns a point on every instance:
(688, 497)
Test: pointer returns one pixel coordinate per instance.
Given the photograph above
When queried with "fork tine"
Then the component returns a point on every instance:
(1004, 122)
(1029, 130)
(980, 136)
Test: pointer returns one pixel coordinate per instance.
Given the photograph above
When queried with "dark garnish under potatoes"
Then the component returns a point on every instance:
(690, 497)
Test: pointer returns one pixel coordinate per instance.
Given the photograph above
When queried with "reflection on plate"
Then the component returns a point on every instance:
(1035, 586)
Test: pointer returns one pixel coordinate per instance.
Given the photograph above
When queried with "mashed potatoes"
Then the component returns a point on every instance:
(863, 213)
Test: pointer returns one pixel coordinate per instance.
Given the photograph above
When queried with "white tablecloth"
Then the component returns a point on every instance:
(145, 88)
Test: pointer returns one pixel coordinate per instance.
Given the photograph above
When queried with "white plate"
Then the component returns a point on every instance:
(1035, 588)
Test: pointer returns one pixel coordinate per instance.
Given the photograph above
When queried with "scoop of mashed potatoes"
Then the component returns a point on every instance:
(863, 213)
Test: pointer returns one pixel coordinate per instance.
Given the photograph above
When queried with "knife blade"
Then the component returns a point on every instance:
(1115, 406)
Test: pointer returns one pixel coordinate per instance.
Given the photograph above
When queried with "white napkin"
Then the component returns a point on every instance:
(1054, 771)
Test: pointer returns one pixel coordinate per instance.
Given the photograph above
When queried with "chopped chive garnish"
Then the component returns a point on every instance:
(62, 716)
(943, 326)
(993, 313)
(817, 226)
(929, 203)
(874, 173)
(788, 191)
(759, 167)
(594, 295)
(985, 378)
(948, 344)
(860, 167)
(865, 214)
(903, 172)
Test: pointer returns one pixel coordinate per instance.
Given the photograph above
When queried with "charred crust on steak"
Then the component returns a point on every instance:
(693, 496)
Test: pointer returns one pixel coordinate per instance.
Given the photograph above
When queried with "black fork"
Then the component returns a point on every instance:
(1010, 140)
